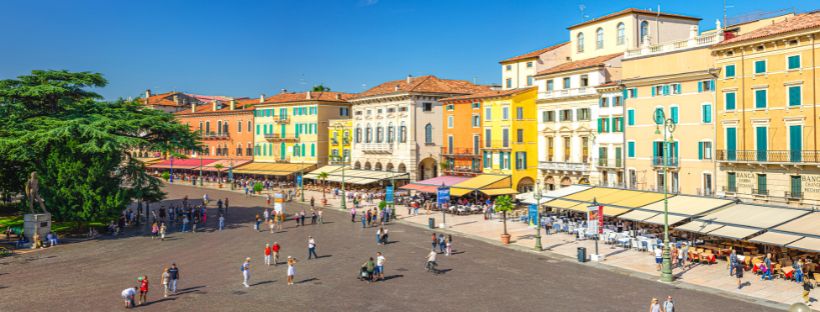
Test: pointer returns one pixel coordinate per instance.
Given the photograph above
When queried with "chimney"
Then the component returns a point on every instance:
(693, 31)
(215, 105)
(176, 99)
(397, 88)
(409, 78)
(233, 104)
(284, 90)
(262, 98)
(338, 96)
(308, 95)
(147, 93)
(193, 107)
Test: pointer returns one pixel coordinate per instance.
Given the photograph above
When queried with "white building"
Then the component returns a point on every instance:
(397, 124)
(519, 71)
(609, 155)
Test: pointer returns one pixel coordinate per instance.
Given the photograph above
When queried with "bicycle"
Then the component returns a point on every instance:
(430, 266)
(5, 252)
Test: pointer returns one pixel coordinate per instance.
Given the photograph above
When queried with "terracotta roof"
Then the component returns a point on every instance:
(488, 94)
(535, 53)
(244, 104)
(608, 84)
(585, 63)
(302, 96)
(163, 99)
(798, 22)
(632, 11)
(424, 84)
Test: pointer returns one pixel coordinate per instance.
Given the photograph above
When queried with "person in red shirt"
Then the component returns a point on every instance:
(275, 250)
(267, 254)
(143, 290)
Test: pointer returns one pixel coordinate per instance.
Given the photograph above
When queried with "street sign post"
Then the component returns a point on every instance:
(388, 195)
(443, 199)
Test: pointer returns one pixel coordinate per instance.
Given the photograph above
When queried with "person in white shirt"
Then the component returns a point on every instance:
(312, 248)
(128, 295)
(659, 257)
(431, 260)
(246, 272)
(380, 266)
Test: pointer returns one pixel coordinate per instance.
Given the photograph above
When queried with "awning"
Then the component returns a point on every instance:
(355, 176)
(807, 225)
(528, 198)
(699, 227)
(226, 164)
(688, 205)
(432, 185)
(562, 203)
(754, 216)
(499, 191)
(775, 238)
(181, 163)
(148, 160)
(808, 243)
(484, 181)
(329, 169)
(272, 169)
(615, 201)
(734, 232)
(638, 215)
(658, 219)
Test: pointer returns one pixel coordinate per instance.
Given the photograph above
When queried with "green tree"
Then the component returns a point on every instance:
(320, 88)
(78, 144)
(504, 204)
(323, 177)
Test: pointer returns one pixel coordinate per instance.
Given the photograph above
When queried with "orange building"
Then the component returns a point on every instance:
(461, 124)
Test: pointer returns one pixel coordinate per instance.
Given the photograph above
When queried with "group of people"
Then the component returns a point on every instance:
(371, 217)
(138, 295)
(271, 256)
(373, 270)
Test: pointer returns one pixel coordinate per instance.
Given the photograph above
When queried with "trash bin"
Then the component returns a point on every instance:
(431, 223)
(582, 254)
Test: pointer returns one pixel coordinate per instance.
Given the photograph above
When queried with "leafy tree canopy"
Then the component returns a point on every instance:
(78, 144)
(320, 88)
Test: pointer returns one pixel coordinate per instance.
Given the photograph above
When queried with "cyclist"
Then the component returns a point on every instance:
(431, 261)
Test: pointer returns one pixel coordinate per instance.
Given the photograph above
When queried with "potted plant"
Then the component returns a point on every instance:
(218, 173)
(166, 176)
(504, 204)
(258, 187)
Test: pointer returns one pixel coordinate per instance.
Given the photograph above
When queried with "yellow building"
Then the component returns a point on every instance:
(339, 131)
(290, 127)
(656, 79)
(767, 114)
(509, 136)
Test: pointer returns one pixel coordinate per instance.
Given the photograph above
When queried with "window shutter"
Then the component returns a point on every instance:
(654, 150)
(712, 85)
(700, 150)
(630, 115)
(600, 125)
(700, 86)
(653, 90)
(624, 94)
(674, 110)
(666, 90)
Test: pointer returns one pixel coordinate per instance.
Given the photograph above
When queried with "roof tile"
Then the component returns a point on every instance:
(423, 84)
(798, 22)
(535, 53)
(585, 63)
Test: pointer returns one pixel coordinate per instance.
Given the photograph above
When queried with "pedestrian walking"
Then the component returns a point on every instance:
(364, 219)
(291, 269)
(449, 248)
(732, 262)
(143, 290)
(226, 206)
(319, 214)
(668, 305)
(275, 252)
(154, 230)
(313, 217)
(166, 281)
(221, 222)
(270, 225)
(128, 295)
(162, 230)
(185, 222)
(173, 274)
(380, 260)
(312, 248)
(739, 272)
(767, 273)
(267, 215)
(258, 220)
(267, 254)
(267, 199)
(654, 306)
(808, 285)
(312, 202)
(302, 218)
(442, 244)
(353, 214)
(435, 241)
(205, 199)
(246, 272)
(658, 258)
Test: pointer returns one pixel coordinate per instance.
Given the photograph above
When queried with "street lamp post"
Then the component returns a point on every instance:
(537, 196)
(302, 182)
(171, 176)
(443, 214)
(668, 126)
(595, 207)
(200, 169)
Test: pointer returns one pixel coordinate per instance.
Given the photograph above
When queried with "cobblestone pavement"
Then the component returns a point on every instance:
(89, 276)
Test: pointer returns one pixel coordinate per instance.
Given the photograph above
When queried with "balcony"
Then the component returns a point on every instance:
(760, 192)
(499, 146)
(564, 166)
(462, 171)
(283, 160)
(731, 189)
(692, 42)
(460, 152)
(275, 137)
(768, 157)
(215, 136)
(376, 148)
(794, 195)
(665, 161)
(582, 91)
(609, 163)
(281, 119)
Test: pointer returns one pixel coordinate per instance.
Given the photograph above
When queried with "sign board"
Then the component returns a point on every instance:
(532, 214)
(278, 202)
(299, 180)
(595, 220)
(388, 194)
(600, 219)
(443, 195)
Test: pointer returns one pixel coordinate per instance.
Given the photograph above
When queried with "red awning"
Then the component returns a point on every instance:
(189, 163)
(431, 185)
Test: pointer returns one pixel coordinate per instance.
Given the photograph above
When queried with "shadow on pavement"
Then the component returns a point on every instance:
(262, 283)
(308, 280)
(387, 278)
(156, 301)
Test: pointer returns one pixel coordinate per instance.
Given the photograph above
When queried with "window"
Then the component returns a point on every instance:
(550, 85)
(630, 149)
(603, 125)
(357, 136)
(450, 107)
(616, 101)
(427, 106)
(674, 112)
(519, 113)
(344, 111)
(676, 89)
(379, 134)
(583, 114)
(529, 64)
(795, 95)
(368, 134)
(657, 90)
(603, 102)
(505, 113)
(729, 71)
(704, 150)
(428, 134)
(548, 116)
(509, 82)
(449, 122)
(488, 112)
(659, 116)
(391, 133)
(644, 31)
(519, 135)
(621, 33)
(488, 135)
(476, 121)
(584, 81)
(520, 160)
(566, 115)
(488, 159)
(793, 62)
(402, 109)
(529, 80)
(617, 124)
(630, 117)
(580, 42)
(566, 83)
(706, 114)
(391, 110)
(761, 98)
(403, 133)
(760, 67)
(762, 187)
(505, 137)
(508, 67)
(599, 38)
(239, 126)
(729, 101)
(631, 93)
(795, 187)
(249, 126)
(476, 105)
(731, 182)
(706, 85)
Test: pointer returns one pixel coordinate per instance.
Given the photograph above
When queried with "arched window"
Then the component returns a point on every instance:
(428, 134)
(599, 38)
(296, 150)
(207, 127)
(368, 134)
(358, 134)
(219, 126)
(391, 133)
(621, 33)
(580, 42)
(379, 133)
(248, 149)
(225, 128)
(644, 30)
(403, 133)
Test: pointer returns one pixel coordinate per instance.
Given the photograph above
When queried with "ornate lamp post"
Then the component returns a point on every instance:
(594, 207)
(302, 181)
(537, 195)
(668, 126)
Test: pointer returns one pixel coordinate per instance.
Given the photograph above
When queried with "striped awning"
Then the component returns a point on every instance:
(272, 169)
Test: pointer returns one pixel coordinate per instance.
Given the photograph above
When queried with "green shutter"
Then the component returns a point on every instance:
(732, 181)
(634, 92)
(630, 149)
(654, 151)
(312, 150)
(712, 85)
(653, 90)
(760, 98)
(630, 115)
(707, 113)
(675, 161)
(761, 147)
(257, 129)
(600, 125)
(796, 186)
(625, 96)
(794, 96)
(666, 90)
(700, 86)
(794, 62)
(795, 143)
(700, 150)
(674, 110)
(730, 100)
(731, 143)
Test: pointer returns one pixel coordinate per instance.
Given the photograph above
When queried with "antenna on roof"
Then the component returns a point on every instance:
(581, 8)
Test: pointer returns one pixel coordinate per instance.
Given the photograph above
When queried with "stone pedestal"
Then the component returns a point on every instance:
(41, 222)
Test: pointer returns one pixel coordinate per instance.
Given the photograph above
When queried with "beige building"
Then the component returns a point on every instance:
(656, 80)
(519, 71)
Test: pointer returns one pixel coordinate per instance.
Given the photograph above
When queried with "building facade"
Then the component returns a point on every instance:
(510, 143)
(340, 132)
(767, 113)
(397, 124)
(290, 127)
(519, 71)
(609, 156)
(462, 128)
(226, 129)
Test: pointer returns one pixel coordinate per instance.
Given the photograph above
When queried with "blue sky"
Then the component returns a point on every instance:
(244, 48)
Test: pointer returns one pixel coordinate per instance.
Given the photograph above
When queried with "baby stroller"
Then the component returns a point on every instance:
(364, 275)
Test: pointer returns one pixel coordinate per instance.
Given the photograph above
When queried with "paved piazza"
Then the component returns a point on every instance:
(89, 276)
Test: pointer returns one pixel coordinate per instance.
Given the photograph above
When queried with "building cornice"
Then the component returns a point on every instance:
(677, 77)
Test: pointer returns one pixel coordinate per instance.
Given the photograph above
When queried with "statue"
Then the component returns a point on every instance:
(33, 193)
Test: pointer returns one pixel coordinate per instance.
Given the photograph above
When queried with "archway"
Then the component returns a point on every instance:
(566, 181)
(584, 181)
(549, 183)
(526, 184)
(389, 167)
(378, 166)
(367, 166)
(427, 169)
(402, 168)
(357, 165)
